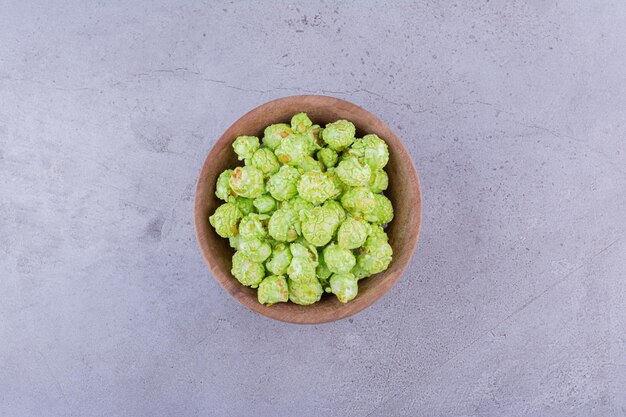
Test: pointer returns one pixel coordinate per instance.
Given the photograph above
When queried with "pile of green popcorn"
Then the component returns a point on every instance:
(306, 213)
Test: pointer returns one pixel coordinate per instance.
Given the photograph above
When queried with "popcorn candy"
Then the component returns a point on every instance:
(305, 213)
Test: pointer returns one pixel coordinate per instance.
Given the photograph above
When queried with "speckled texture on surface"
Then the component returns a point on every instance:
(514, 113)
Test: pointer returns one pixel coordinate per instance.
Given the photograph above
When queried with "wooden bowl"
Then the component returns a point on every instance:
(404, 193)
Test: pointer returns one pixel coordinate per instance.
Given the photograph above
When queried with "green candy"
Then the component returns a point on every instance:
(300, 123)
(264, 203)
(225, 220)
(284, 225)
(246, 271)
(328, 157)
(306, 210)
(377, 232)
(292, 149)
(372, 149)
(316, 187)
(265, 161)
(298, 204)
(257, 250)
(303, 249)
(308, 163)
(222, 186)
(247, 182)
(337, 259)
(352, 233)
(354, 173)
(253, 226)
(245, 146)
(284, 184)
(303, 263)
(233, 242)
(337, 209)
(301, 269)
(374, 256)
(381, 212)
(379, 181)
(359, 273)
(305, 292)
(339, 135)
(314, 136)
(245, 205)
(340, 187)
(344, 286)
(322, 272)
(273, 289)
(358, 200)
(318, 225)
(274, 134)
(279, 260)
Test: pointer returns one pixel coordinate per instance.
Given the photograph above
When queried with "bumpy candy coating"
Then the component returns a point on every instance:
(245, 146)
(273, 289)
(247, 182)
(305, 211)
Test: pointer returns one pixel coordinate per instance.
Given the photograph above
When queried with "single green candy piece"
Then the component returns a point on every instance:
(273, 289)
(246, 271)
(305, 292)
(315, 187)
(292, 149)
(225, 219)
(233, 242)
(339, 135)
(314, 134)
(284, 225)
(352, 233)
(313, 139)
(318, 225)
(245, 146)
(274, 134)
(253, 226)
(372, 149)
(328, 157)
(344, 286)
(308, 163)
(358, 200)
(354, 173)
(265, 161)
(322, 272)
(379, 181)
(301, 269)
(264, 203)
(300, 123)
(340, 187)
(359, 273)
(381, 212)
(284, 184)
(279, 260)
(339, 212)
(247, 182)
(298, 204)
(376, 232)
(222, 186)
(337, 259)
(245, 205)
(303, 249)
(257, 250)
(374, 256)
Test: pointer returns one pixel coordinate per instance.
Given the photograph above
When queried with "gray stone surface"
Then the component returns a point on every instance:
(514, 303)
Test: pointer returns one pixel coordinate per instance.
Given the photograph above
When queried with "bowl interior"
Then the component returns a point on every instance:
(403, 191)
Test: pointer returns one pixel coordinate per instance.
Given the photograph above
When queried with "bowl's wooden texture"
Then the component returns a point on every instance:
(404, 193)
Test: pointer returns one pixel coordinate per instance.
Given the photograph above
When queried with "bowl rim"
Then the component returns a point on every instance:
(362, 301)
